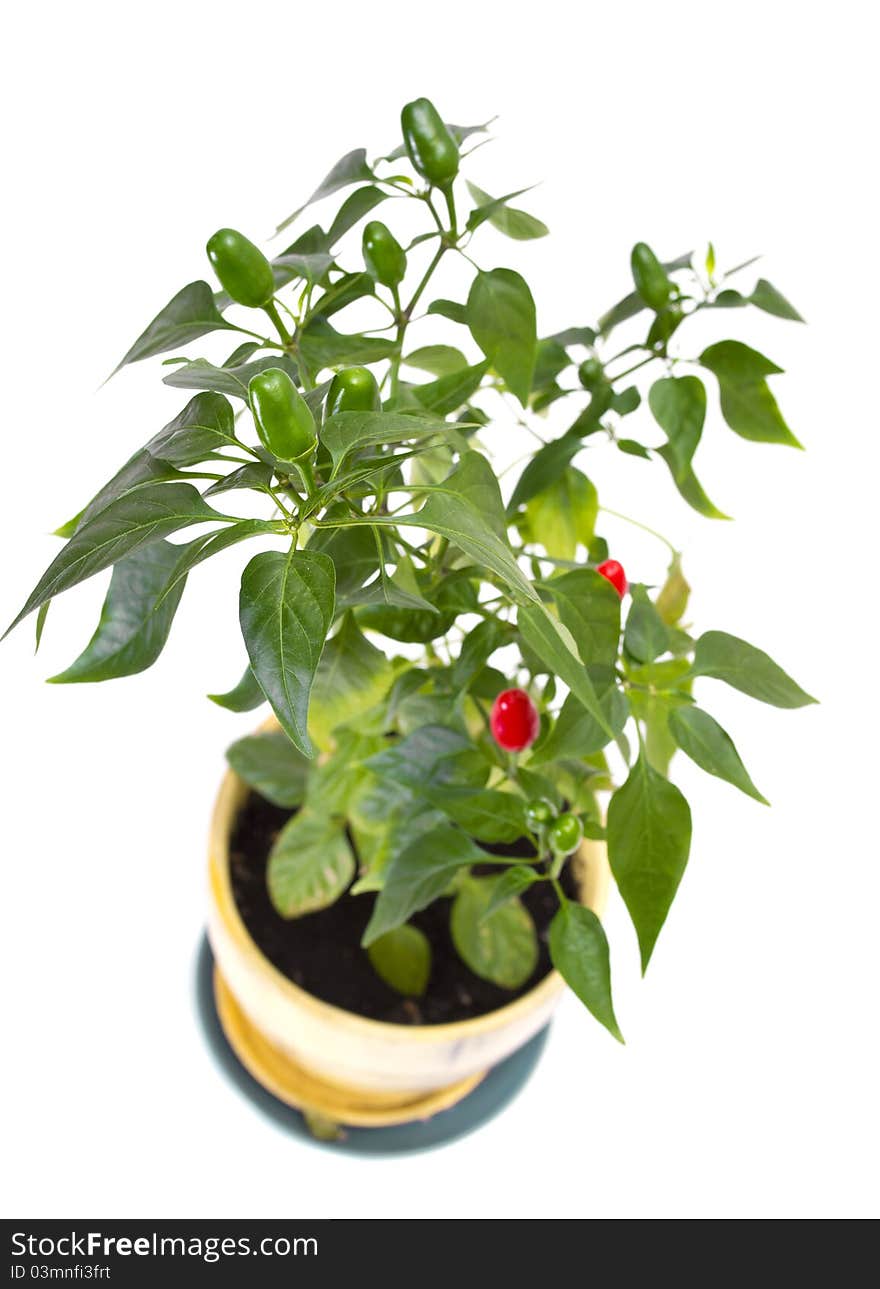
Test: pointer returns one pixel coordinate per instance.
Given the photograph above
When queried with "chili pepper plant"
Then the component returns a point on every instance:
(454, 666)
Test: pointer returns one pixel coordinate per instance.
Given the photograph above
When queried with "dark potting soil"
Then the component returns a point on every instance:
(322, 952)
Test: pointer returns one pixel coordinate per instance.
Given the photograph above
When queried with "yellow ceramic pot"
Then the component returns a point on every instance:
(334, 1063)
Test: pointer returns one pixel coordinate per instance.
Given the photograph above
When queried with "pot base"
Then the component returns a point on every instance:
(319, 1101)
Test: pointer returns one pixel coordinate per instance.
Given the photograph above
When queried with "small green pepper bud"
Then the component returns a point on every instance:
(565, 834)
(284, 421)
(539, 813)
(429, 144)
(384, 257)
(353, 389)
(591, 373)
(242, 268)
(650, 277)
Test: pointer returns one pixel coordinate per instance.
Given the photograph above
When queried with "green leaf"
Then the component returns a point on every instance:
(285, 609)
(476, 650)
(513, 223)
(402, 958)
(352, 677)
(555, 645)
(688, 484)
(449, 309)
(133, 627)
(467, 509)
(501, 318)
(243, 697)
(201, 374)
(501, 947)
(355, 208)
(272, 766)
(766, 297)
(564, 514)
(747, 669)
(189, 314)
(131, 522)
(344, 291)
(292, 265)
(646, 636)
(323, 347)
(439, 360)
(350, 169)
(678, 404)
(579, 951)
(747, 404)
(419, 875)
(544, 469)
(449, 393)
(589, 607)
(485, 814)
(577, 733)
(649, 837)
(206, 425)
(310, 864)
(349, 432)
(256, 476)
(509, 885)
(702, 739)
(431, 754)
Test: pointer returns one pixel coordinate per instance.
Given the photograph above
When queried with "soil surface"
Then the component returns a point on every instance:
(322, 953)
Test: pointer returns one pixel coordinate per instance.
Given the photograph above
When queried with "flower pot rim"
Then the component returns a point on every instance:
(232, 794)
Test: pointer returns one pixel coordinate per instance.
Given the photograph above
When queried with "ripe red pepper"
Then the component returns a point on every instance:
(613, 572)
(514, 720)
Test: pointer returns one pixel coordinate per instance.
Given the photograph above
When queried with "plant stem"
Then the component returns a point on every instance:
(271, 309)
(627, 519)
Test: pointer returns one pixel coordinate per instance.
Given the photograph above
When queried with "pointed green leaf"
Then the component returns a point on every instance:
(418, 876)
(350, 169)
(564, 514)
(577, 733)
(545, 467)
(678, 404)
(352, 677)
(747, 669)
(501, 318)
(589, 607)
(131, 522)
(554, 644)
(439, 360)
(649, 837)
(272, 766)
(200, 374)
(243, 697)
(579, 951)
(646, 636)
(509, 885)
(766, 297)
(402, 958)
(348, 432)
(747, 404)
(310, 864)
(513, 223)
(135, 619)
(485, 813)
(189, 314)
(450, 392)
(286, 608)
(711, 748)
(501, 947)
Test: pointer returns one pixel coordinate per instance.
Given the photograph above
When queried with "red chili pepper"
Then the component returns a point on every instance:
(613, 573)
(515, 721)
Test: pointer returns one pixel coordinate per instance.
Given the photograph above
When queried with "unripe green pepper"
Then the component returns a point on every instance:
(242, 268)
(650, 277)
(353, 389)
(384, 257)
(429, 144)
(284, 421)
(591, 373)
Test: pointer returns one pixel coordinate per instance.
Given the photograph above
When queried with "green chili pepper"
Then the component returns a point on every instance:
(429, 144)
(242, 268)
(384, 257)
(591, 373)
(650, 277)
(283, 419)
(353, 389)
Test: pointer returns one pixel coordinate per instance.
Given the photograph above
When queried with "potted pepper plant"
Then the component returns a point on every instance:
(473, 707)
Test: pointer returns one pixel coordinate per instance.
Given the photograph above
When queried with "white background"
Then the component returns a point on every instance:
(748, 1086)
